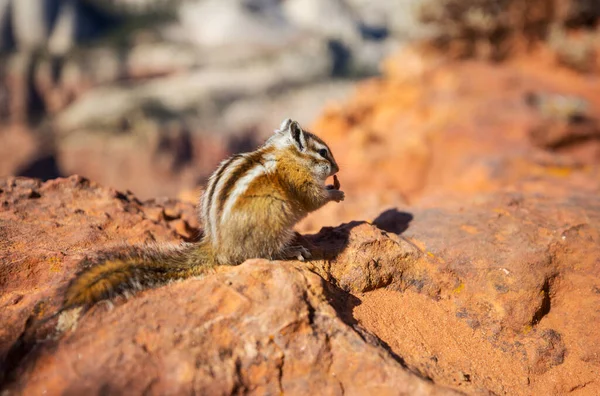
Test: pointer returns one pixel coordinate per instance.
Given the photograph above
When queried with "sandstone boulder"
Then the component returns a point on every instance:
(497, 293)
(257, 328)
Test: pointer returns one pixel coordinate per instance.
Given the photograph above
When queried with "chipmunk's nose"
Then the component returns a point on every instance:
(334, 169)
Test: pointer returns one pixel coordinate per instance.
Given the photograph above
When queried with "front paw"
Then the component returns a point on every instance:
(336, 195)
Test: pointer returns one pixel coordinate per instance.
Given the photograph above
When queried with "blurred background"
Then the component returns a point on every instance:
(149, 95)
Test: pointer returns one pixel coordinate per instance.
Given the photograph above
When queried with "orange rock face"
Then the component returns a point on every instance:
(494, 294)
(477, 272)
(429, 128)
(260, 327)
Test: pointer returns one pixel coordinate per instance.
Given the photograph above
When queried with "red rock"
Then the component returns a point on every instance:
(456, 128)
(497, 293)
(260, 327)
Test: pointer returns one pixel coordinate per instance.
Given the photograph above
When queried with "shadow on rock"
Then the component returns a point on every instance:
(25, 350)
(329, 242)
(394, 221)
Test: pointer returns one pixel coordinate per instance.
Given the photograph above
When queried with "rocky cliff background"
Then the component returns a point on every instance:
(464, 260)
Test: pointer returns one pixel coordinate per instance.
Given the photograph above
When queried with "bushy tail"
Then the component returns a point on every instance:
(136, 268)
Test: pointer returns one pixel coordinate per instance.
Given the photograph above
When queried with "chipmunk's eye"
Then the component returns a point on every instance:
(323, 153)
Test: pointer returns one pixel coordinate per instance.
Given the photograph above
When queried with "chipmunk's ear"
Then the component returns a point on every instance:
(284, 125)
(297, 135)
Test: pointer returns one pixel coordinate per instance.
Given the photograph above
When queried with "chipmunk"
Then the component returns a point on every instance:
(249, 208)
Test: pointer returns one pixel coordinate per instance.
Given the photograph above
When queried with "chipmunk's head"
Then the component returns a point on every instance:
(306, 148)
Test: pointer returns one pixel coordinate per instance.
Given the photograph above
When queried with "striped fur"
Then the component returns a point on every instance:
(232, 180)
(250, 206)
(133, 268)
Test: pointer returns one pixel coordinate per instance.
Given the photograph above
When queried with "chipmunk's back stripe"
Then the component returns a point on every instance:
(230, 169)
(240, 188)
(251, 160)
(207, 200)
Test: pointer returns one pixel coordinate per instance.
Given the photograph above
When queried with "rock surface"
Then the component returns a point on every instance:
(222, 334)
(431, 128)
(497, 293)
